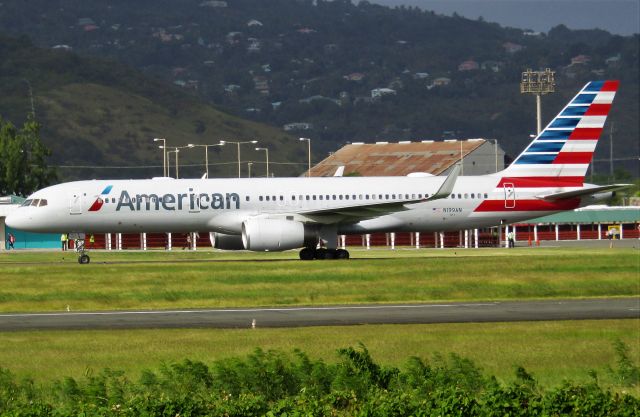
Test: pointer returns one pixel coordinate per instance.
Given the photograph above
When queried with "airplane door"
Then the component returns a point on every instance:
(75, 203)
(509, 195)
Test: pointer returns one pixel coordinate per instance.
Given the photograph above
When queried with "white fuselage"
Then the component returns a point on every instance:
(222, 205)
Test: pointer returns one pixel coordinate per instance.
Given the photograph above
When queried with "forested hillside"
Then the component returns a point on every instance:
(336, 71)
(99, 117)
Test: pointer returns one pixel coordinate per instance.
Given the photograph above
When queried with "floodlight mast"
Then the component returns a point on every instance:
(538, 83)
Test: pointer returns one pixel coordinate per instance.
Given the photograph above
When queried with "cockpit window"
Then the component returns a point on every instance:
(43, 202)
(35, 202)
(26, 203)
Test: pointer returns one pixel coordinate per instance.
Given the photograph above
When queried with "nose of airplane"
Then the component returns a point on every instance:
(17, 220)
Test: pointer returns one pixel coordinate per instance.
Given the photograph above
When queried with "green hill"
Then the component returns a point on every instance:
(317, 64)
(99, 118)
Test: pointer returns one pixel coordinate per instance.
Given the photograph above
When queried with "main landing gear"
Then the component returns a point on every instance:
(308, 254)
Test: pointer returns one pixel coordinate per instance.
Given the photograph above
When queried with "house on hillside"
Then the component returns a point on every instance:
(214, 4)
(580, 59)
(297, 126)
(354, 76)
(469, 65)
(380, 92)
(512, 48)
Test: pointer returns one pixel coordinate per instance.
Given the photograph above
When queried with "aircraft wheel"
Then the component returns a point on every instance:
(342, 254)
(83, 259)
(307, 254)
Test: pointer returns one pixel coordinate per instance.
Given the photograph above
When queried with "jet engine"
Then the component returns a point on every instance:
(276, 235)
(224, 241)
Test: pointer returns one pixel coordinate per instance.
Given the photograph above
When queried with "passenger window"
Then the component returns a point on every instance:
(366, 197)
(259, 198)
(419, 195)
(353, 196)
(346, 197)
(274, 198)
(453, 196)
(313, 197)
(473, 195)
(281, 198)
(307, 197)
(334, 196)
(320, 196)
(386, 196)
(246, 198)
(466, 195)
(486, 195)
(268, 199)
(459, 195)
(328, 197)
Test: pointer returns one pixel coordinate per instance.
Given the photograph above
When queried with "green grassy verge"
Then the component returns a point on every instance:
(137, 280)
(551, 351)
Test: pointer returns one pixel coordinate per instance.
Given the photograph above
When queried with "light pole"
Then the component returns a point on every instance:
(176, 149)
(266, 150)
(495, 148)
(206, 152)
(165, 172)
(238, 143)
(249, 169)
(309, 152)
(538, 83)
(176, 152)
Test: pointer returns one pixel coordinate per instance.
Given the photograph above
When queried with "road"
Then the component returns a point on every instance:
(621, 308)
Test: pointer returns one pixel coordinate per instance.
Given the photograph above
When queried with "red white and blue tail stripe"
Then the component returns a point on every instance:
(560, 155)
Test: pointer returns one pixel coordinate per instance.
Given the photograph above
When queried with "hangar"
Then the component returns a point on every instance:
(478, 157)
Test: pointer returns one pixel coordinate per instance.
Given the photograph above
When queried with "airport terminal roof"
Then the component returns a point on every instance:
(396, 159)
(592, 215)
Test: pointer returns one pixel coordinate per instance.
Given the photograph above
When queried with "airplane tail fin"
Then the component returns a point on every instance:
(560, 155)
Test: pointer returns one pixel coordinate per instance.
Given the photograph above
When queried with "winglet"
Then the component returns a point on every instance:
(339, 172)
(447, 186)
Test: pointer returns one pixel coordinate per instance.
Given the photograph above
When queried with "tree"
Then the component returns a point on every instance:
(23, 166)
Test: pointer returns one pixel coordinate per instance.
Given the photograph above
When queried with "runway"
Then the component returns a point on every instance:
(622, 308)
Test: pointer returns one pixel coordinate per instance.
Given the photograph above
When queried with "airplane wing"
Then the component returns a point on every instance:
(584, 192)
(369, 210)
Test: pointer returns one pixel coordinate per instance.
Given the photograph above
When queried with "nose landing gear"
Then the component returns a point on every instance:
(83, 258)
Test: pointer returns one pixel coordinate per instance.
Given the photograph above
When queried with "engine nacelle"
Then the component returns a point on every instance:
(224, 241)
(275, 235)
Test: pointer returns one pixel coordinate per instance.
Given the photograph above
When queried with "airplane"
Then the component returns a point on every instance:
(277, 214)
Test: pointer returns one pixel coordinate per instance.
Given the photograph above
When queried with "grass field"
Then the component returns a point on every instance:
(552, 351)
(50, 281)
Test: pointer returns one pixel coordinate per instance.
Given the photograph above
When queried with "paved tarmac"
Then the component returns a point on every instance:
(616, 308)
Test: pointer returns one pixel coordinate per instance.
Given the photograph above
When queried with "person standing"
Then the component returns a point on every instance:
(92, 240)
(11, 239)
(63, 240)
(511, 237)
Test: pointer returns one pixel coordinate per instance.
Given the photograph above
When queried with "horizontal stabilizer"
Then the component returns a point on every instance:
(585, 191)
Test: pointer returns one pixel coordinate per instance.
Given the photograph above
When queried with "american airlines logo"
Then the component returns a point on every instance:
(170, 202)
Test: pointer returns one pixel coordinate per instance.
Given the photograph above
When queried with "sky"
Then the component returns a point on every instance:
(620, 17)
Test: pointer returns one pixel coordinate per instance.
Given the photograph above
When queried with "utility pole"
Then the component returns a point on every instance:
(611, 130)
